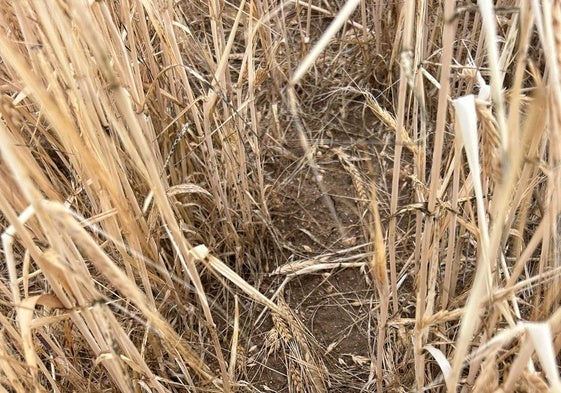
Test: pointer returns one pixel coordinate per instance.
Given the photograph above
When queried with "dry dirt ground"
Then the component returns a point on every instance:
(337, 303)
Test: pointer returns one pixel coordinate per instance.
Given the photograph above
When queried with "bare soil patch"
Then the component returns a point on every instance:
(335, 302)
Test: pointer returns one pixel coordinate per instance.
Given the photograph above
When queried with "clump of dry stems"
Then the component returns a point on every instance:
(134, 196)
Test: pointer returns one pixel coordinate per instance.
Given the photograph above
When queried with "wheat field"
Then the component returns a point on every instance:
(280, 196)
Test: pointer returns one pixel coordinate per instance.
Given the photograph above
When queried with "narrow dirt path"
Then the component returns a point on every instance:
(324, 279)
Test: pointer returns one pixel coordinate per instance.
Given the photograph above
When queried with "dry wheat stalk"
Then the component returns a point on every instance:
(347, 162)
(305, 368)
(490, 156)
(389, 120)
(532, 383)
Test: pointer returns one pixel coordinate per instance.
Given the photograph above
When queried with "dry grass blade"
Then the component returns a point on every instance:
(333, 28)
(379, 271)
